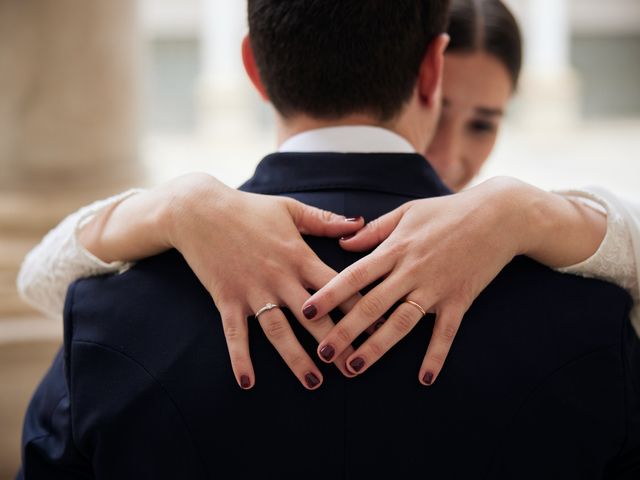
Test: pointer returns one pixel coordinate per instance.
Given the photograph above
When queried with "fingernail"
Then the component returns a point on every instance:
(327, 352)
(355, 219)
(357, 364)
(312, 380)
(310, 311)
(347, 237)
(245, 382)
(428, 378)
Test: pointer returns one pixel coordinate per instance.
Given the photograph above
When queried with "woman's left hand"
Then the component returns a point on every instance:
(439, 253)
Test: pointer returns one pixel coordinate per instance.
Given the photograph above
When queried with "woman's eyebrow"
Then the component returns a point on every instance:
(489, 112)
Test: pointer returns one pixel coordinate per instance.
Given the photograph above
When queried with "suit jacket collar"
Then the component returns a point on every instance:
(348, 139)
(406, 174)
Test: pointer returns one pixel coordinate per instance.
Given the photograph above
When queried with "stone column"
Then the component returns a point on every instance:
(68, 134)
(550, 87)
(68, 116)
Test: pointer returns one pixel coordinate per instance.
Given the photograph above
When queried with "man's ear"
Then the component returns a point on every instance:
(251, 68)
(431, 69)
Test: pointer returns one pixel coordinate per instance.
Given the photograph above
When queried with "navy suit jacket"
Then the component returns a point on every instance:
(542, 380)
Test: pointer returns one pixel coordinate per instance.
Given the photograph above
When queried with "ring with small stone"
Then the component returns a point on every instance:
(266, 308)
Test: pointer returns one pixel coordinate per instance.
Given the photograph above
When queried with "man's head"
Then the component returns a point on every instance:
(332, 59)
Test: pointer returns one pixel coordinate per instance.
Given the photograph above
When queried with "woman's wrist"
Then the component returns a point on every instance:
(182, 197)
(513, 210)
(154, 220)
(548, 227)
(125, 231)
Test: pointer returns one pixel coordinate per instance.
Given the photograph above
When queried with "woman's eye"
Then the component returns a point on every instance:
(480, 126)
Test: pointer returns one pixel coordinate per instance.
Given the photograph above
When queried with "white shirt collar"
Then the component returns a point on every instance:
(348, 139)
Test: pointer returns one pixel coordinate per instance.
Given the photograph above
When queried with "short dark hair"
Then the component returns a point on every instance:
(331, 58)
(487, 25)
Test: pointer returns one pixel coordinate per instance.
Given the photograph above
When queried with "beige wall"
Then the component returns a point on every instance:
(68, 134)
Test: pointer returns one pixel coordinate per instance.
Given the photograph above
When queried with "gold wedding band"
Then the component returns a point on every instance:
(418, 306)
(266, 308)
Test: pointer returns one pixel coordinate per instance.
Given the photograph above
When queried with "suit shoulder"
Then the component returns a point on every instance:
(581, 305)
(159, 300)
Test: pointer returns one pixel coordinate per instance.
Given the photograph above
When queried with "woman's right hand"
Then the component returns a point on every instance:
(247, 250)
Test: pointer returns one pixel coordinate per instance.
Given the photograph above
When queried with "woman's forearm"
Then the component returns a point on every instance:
(556, 231)
(142, 225)
(126, 231)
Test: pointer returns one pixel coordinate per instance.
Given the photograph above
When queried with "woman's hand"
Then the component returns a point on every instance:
(440, 253)
(246, 249)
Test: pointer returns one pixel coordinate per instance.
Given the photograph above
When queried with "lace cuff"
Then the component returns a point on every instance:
(614, 261)
(85, 215)
(59, 259)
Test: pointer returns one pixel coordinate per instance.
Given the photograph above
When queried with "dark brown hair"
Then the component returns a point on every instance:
(331, 58)
(486, 25)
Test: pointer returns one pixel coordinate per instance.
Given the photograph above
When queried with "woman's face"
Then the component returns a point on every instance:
(476, 89)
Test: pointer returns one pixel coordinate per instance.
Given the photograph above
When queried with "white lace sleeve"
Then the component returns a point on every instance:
(59, 259)
(617, 260)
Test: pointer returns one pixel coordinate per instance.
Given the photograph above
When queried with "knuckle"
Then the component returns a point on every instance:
(437, 358)
(279, 285)
(273, 264)
(326, 300)
(306, 216)
(306, 263)
(459, 300)
(275, 329)
(377, 350)
(371, 306)
(403, 321)
(465, 293)
(298, 213)
(460, 307)
(342, 334)
(221, 299)
(289, 202)
(375, 227)
(448, 332)
(356, 276)
(233, 331)
(398, 248)
(296, 360)
(195, 180)
(222, 294)
(406, 206)
(326, 216)
(415, 269)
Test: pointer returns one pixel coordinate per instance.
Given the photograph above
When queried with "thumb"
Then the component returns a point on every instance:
(373, 233)
(322, 223)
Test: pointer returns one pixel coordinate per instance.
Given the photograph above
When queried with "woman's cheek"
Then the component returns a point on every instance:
(484, 150)
(476, 155)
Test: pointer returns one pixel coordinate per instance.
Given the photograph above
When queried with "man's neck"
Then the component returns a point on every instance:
(299, 124)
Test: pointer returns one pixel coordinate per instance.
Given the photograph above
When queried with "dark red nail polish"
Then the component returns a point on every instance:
(245, 382)
(357, 364)
(327, 352)
(354, 219)
(312, 380)
(347, 237)
(310, 311)
(428, 378)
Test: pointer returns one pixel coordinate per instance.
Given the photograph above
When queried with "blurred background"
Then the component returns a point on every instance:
(102, 95)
